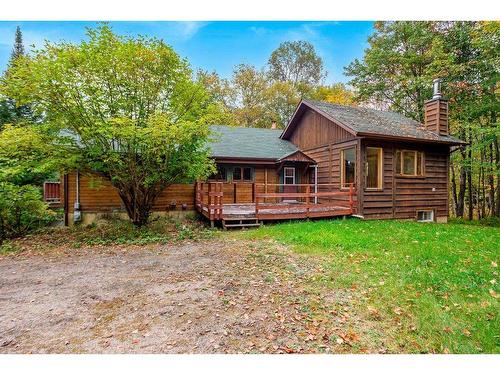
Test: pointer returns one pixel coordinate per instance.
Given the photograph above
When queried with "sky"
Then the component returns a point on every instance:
(217, 45)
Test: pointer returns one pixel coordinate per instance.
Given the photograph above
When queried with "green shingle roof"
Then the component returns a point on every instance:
(371, 121)
(237, 142)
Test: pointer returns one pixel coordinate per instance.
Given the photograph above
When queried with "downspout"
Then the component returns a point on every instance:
(77, 215)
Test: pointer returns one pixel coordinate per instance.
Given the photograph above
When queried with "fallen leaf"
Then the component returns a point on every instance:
(494, 264)
(397, 310)
(494, 294)
(466, 332)
(374, 313)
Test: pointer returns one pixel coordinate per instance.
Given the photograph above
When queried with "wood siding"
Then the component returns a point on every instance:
(315, 130)
(97, 195)
(328, 160)
(402, 196)
(436, 116)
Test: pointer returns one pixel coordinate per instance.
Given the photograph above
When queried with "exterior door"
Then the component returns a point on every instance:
(289, 180)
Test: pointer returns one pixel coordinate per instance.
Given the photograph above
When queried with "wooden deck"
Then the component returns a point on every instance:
(307, 201)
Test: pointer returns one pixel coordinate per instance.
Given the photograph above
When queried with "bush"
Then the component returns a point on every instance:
(21, 210)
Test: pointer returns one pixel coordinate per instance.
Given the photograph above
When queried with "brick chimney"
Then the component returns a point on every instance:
(436, 111)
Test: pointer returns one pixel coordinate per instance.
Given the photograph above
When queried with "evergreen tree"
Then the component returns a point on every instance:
(18, 49)
(9, 111)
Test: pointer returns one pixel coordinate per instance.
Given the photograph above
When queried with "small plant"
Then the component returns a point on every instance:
(122, 232)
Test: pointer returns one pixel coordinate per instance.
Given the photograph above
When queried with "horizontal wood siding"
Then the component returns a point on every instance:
(314, 130)
(98, 195)
(328, 160)
(401, 196)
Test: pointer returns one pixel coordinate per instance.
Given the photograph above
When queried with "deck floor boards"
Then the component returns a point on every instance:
(247, 210)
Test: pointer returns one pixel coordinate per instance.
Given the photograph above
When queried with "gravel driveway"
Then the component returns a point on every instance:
(210, 297)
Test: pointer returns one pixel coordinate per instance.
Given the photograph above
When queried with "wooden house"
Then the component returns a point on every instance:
(330, 160)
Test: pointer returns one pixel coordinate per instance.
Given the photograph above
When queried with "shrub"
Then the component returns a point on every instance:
(21, 210)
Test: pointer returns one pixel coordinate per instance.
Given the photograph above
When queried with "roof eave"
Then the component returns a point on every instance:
(410, 139)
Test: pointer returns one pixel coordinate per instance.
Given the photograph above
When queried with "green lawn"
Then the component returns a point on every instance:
(428, 287)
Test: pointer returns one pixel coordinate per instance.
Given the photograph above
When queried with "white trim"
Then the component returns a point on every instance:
(430, 220)
(285, 176)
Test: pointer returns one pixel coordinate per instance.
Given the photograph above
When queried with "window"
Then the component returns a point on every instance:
(409, 163)
(289, 176)
(348, 167)
(425, 216)
(242, 174)
(374, 168)
(221, 174)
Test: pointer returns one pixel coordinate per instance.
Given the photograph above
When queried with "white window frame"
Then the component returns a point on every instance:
(430, 220)
(285, 175)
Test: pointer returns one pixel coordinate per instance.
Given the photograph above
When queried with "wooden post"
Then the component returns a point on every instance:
(308, 197)
(351, 202)
(234, 192)
(265, 183)
(210, 203)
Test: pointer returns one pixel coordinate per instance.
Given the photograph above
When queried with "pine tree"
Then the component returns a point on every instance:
(18, 49)
(9, 111)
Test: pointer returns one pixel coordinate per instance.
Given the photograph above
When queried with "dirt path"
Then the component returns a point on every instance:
(211, 297)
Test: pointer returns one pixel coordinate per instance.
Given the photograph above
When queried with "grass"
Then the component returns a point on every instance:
(428, 287)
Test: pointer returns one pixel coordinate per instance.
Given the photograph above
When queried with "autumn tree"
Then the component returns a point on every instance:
(398, 66)
(127, 109)
(297, 63)
(336, 93)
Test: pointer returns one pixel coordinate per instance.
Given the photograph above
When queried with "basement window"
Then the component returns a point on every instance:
(425, 216)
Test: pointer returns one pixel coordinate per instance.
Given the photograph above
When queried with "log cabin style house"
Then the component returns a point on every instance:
(330, 160)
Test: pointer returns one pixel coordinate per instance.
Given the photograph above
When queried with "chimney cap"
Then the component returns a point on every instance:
(436, 88)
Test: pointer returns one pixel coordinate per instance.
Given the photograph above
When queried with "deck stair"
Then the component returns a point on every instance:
(240, 222)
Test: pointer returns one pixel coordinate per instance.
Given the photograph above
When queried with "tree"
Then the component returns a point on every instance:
(336, 93)
(10, 112)
(248, 102)
(397, 70)
(297, 63)
(125, 108)
(281, 99)
(18, 49)
(398, 66)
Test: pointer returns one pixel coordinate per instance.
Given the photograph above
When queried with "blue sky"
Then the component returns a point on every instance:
(215, 45)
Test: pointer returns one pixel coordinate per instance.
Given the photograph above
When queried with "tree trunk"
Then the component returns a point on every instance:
(462, 186)
(497, 164)
(138, 201)
(469, 179)
(453, 189)
(491, 183)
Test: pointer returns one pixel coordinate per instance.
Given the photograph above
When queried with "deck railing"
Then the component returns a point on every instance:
(52, 192)
(315, 201)
(275, 201)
